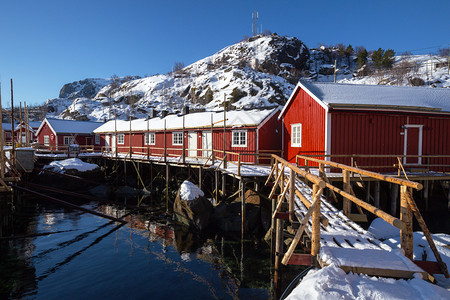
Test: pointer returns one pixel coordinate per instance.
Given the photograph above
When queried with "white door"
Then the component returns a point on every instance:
(206, 143)
(107, 142)
(192, 144)
(412, 144)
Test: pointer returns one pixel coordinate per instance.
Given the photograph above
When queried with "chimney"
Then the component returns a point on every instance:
(185, 110)
(153, 113)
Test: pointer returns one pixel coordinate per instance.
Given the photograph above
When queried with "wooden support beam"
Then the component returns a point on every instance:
(377, 194)
(406, 233)
(376, 211)
(278, 254)
(346, 181)
(243, 209)
(291, 194)
(394, 198)
(302, 228)
(412, 204)
(315, 226)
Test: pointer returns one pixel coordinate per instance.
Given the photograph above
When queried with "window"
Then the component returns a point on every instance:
(239, 139)
(121, 139)
(296, 135)
(177, 138)
(97, 139)
(46, 140)
(68, 140)
(150, 138)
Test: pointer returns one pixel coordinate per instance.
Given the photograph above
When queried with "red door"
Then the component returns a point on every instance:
(413, 144)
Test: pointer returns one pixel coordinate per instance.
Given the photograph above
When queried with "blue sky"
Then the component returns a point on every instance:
(47, 43)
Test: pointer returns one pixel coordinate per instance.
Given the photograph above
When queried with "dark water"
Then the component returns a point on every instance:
(89, 257)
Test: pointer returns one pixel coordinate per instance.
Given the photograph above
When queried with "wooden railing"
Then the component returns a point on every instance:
(64, 149)
(382, 161)
(239, 159)
(321, 182)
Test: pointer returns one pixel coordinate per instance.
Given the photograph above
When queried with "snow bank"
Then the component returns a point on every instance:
(70, 164)
(332, 283)
(383, 230)
(189, 191)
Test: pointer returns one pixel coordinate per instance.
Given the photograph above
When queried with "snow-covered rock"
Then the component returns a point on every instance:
(77, 164)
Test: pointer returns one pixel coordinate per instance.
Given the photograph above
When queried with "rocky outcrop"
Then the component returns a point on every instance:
(191, 207)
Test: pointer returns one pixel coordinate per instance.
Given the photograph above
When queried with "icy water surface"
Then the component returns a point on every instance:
(89, 257)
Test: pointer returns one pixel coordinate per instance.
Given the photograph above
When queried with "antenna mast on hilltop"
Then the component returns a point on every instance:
(255, 17)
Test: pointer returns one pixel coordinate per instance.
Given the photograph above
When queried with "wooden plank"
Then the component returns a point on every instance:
(358, 217)
(381, 272)
(282, 216)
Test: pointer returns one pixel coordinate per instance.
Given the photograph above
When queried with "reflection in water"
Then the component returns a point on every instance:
(147, 257)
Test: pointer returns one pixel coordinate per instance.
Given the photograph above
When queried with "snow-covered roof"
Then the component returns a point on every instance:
(70, 126)
(7, 126)
(235, 118)
(340, 95)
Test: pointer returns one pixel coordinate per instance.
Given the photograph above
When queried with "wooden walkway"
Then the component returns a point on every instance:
(328, 235)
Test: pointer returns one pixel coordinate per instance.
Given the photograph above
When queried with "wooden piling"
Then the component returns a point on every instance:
(243, 210)
(394, 198)
(347, 188)
(315, 224)
(406, 234)
(278, 257)
(167, 187)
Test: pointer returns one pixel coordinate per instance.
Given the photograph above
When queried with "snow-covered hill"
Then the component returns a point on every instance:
(256, 73)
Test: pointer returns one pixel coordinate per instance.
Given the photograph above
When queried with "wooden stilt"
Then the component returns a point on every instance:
(224, 186)
(167, 187)
(216, 185)
(394, 198)
(406, 233)
(200, 179)
(347, 188)
(278, 256)
(425, 194)
(315, 224)
(243, 210)
(377, 194)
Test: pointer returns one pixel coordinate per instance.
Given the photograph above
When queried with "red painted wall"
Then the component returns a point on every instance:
(45, 130)
(269, 138)
(305, 110)
(382, 133)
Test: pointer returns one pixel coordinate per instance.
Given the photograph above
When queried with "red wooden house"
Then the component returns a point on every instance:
(246, 132)
(346, 119)
(6, 128)
(23, 130)
(57, 132)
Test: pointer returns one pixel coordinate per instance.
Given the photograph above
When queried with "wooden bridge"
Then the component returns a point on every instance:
(329, 236)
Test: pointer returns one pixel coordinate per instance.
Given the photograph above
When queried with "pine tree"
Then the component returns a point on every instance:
(361, 58)
(377, 58)
(388, 58)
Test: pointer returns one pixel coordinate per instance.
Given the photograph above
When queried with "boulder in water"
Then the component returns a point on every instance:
(191, 207)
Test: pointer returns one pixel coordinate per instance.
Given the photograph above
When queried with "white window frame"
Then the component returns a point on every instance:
(46, 140)
(176, 140)
(296, 135)
(150, 138)
(97, 139)
(68, 140)
(239, 134)
(121, 139)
